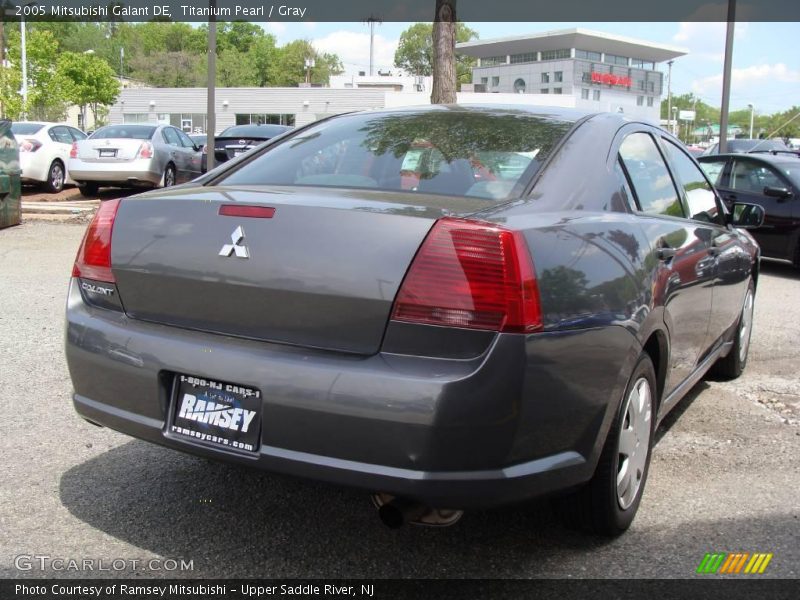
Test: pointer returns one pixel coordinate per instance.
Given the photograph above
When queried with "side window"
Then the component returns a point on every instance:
(752, 177)
(714, 171)
(185, 140)
(652, 184)
(61, 135)
(700, 195)
(171, 136)
(623, 199)
(77, 134)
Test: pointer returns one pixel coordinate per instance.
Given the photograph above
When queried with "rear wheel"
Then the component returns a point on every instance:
(732, 365)
(89, 190)
(55, 177)
(169, 176)
(608, 503)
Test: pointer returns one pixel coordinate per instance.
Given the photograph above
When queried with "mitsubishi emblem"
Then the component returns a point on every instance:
(236, 245)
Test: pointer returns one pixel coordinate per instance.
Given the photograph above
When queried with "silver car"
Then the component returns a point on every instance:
(134, 155)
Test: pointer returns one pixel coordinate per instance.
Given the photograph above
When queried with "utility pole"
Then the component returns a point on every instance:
(726, 78)
(669, 95)
(752, 108)
(211, 115)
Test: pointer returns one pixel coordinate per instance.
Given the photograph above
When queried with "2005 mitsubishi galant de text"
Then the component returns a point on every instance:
(451, 307)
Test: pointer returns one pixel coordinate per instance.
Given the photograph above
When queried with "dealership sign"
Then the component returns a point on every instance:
(611, 79)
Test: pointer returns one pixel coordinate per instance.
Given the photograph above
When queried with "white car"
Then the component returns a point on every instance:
(44, 152)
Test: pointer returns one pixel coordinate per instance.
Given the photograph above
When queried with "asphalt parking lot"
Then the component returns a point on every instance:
(724, 477)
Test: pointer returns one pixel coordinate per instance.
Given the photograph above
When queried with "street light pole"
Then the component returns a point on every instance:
(669, 94)
(752, 108)
(24, 58)
(726, 78)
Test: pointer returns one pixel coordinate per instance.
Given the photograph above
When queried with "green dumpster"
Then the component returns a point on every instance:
(9, 177)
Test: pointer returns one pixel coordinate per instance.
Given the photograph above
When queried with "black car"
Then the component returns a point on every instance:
(747, 145)
(451, 307)
(768, 180)
(238, 139)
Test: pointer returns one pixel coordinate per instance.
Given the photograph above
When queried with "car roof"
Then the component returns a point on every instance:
(767, 157)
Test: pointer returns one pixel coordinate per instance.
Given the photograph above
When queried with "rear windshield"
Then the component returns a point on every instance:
(25, 128)
(453, 152)
(134, 132)
(258, 131)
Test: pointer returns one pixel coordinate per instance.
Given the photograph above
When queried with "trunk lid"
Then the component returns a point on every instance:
(226, 148)
(323, 272)
(109, 149)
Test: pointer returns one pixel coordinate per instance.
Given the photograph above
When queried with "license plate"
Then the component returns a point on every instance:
(224, 415)
(107, 153)
(238, 152)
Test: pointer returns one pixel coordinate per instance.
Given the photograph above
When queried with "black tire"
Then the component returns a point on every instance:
(56, 175)
(731, 366)
(88, 190)
(597, 507)
(169, 176)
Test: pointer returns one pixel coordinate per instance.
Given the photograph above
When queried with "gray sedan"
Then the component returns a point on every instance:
(131, 155)
(450, 307)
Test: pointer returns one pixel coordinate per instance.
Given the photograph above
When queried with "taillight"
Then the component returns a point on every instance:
(30, 145)
(73, 152)
(146, 150)
(94, 255)
(471, 274)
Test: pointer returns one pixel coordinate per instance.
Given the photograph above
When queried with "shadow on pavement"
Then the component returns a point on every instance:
(779, 268)
(233, 521)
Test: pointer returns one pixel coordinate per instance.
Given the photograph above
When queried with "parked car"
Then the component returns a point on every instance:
(738, 146)
(133, 155)
(9, 177)
(238, 139)
(463, 343)
(771, 181)
(44, 152)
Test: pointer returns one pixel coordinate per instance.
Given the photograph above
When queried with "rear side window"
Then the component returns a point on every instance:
(61, 135)
(171, 136)
(699, 195)
(649, 176)
(714, 170)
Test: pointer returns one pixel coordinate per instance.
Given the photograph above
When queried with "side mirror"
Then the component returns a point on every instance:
(746, 216)
(777, 192)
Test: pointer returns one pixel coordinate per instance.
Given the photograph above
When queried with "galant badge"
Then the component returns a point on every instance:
(236, 245)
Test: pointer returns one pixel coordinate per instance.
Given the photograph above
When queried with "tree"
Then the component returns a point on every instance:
(170, 69)
(88, 81)
(46, 97)
(415, 51)
(291, 69)
(235, 69)
(444, 50)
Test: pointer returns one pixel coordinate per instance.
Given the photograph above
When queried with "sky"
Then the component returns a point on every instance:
(766, 59)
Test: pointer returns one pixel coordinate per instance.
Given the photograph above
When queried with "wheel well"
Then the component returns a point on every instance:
(656, 348)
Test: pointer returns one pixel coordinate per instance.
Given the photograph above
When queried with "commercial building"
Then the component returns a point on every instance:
(603, 72)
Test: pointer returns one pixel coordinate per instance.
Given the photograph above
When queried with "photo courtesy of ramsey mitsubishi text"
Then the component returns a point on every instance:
(378, 299)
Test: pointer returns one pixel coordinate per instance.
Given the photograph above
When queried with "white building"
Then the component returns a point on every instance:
(387, 82)
(602, 72)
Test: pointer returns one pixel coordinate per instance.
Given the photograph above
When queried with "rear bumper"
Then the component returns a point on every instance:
(450, 433)
(134, 172)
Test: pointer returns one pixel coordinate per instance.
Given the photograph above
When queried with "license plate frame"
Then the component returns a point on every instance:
(223, 415)
(107, 153)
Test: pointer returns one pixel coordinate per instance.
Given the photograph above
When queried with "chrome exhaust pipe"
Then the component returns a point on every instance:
(396, 513)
